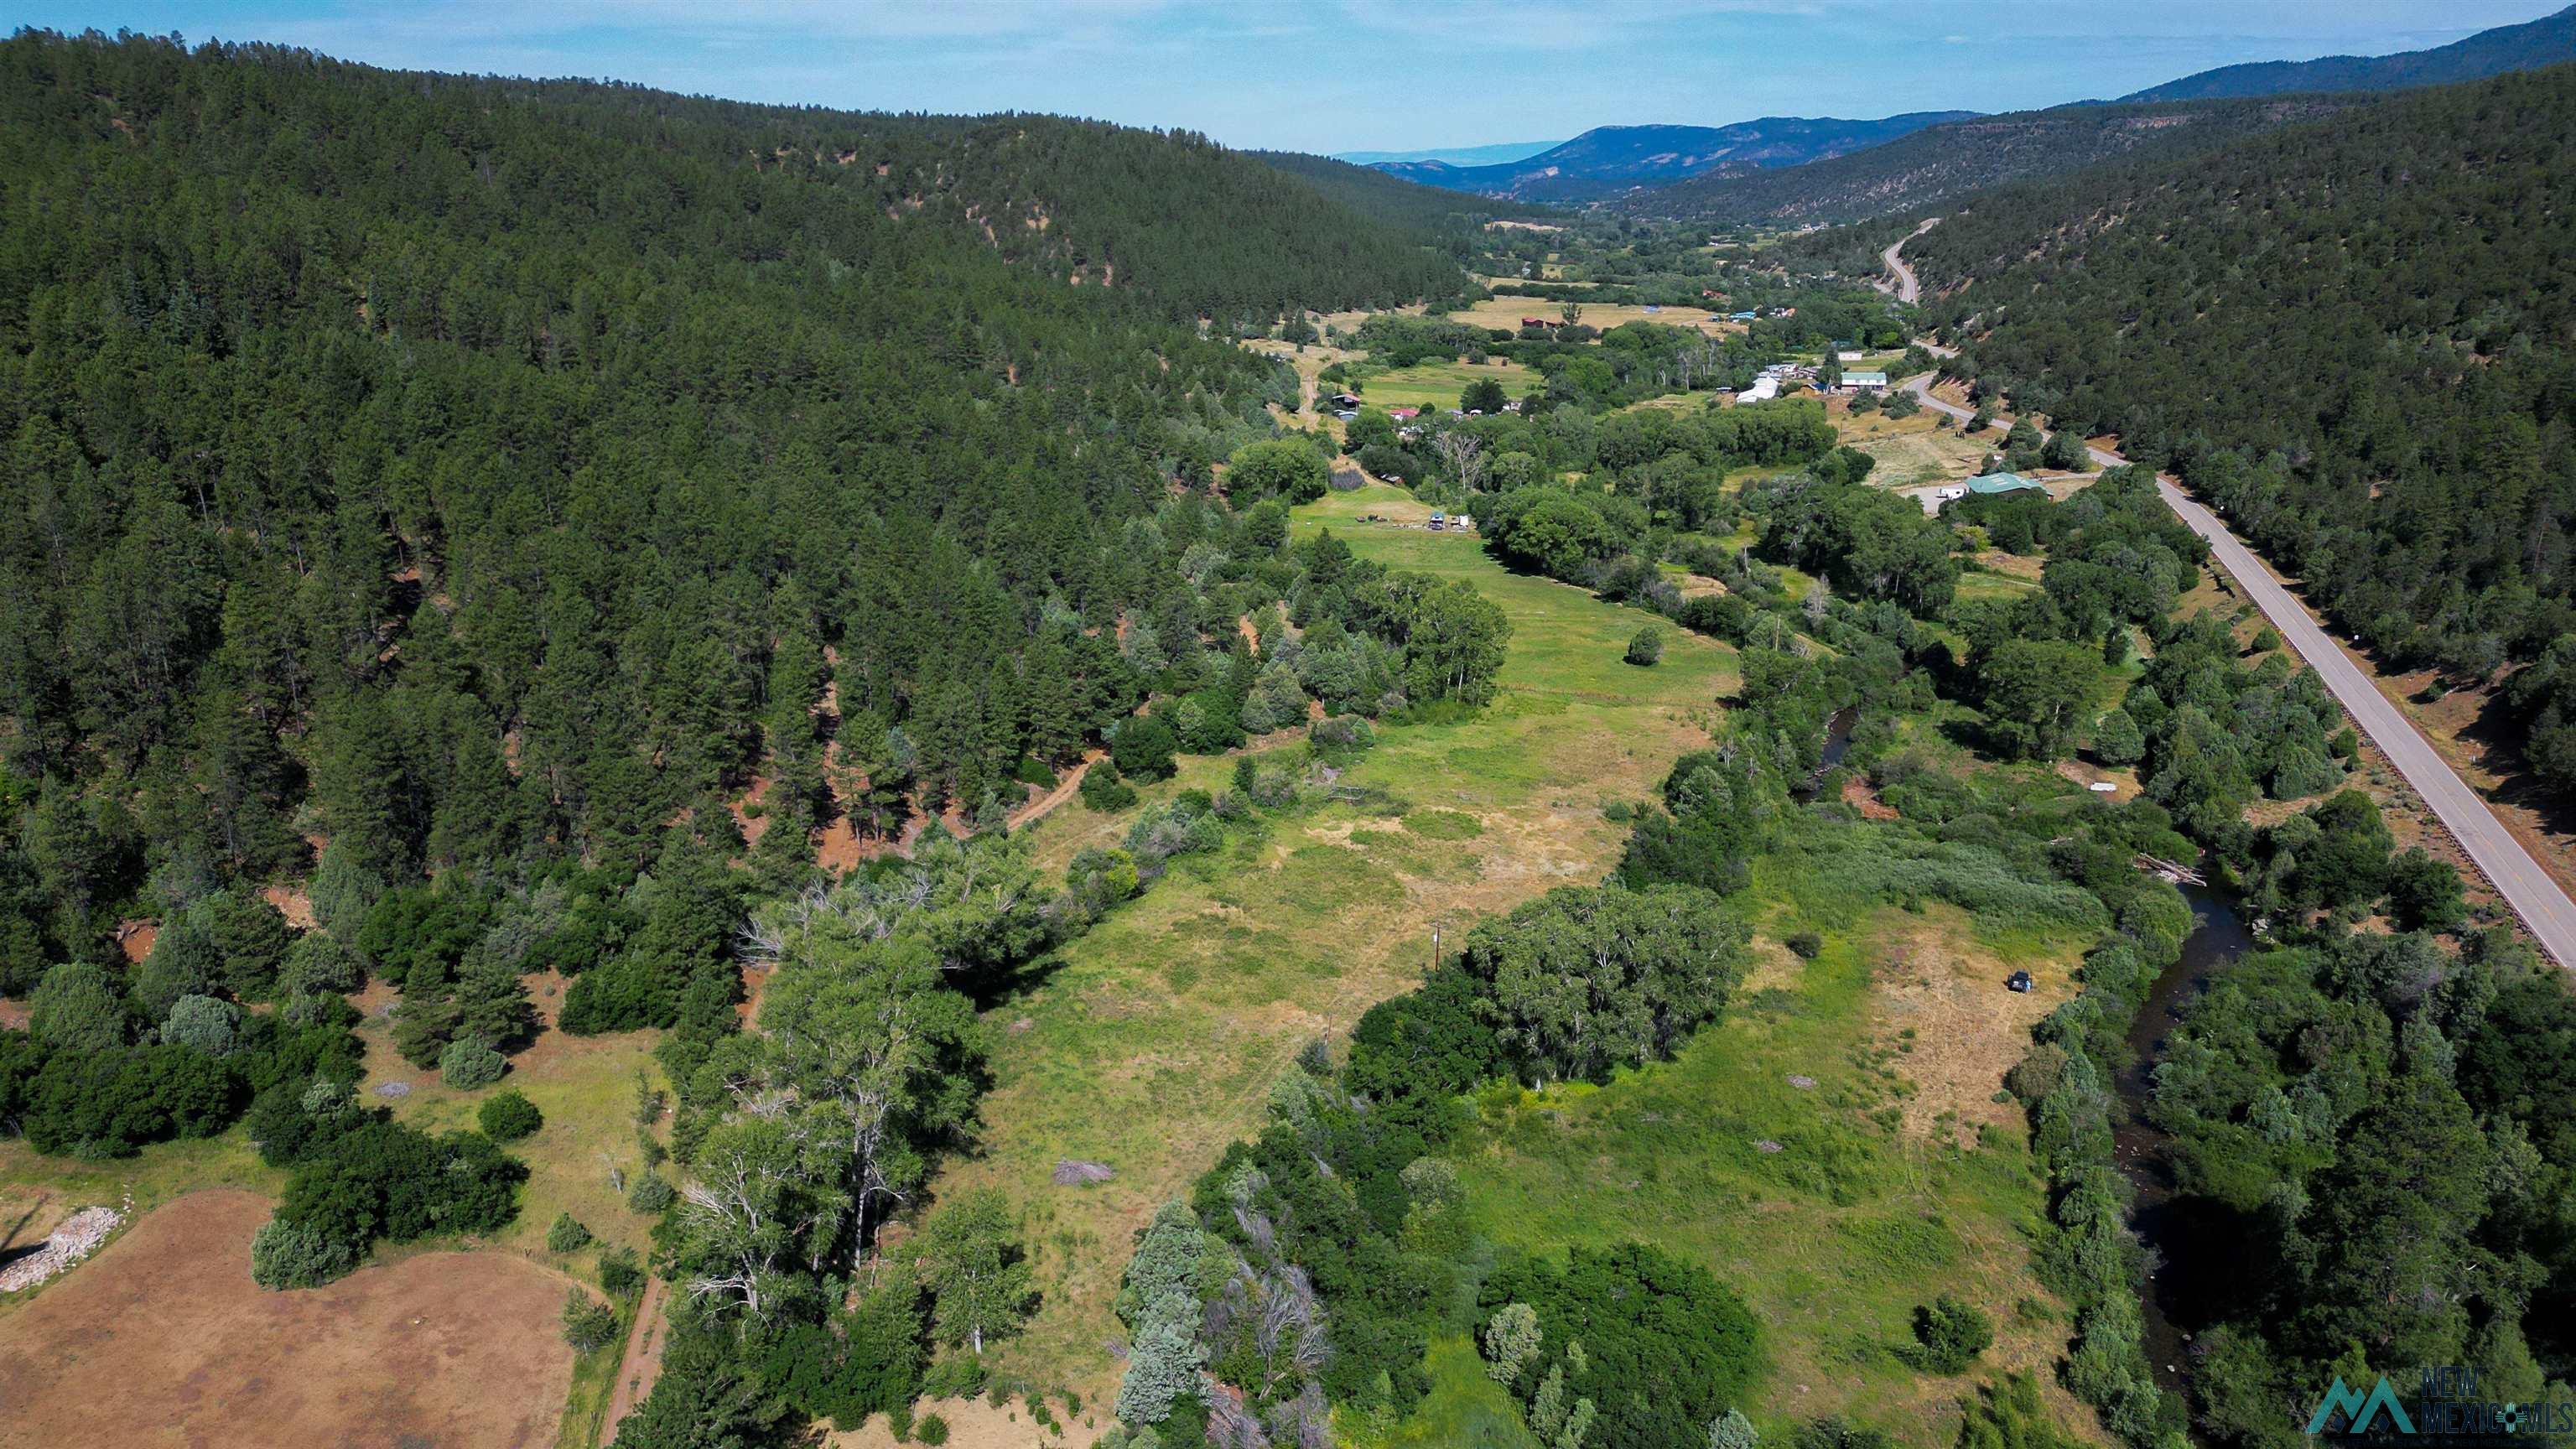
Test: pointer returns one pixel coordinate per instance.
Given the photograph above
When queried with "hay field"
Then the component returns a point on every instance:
(162, 1338)
(1507, 312)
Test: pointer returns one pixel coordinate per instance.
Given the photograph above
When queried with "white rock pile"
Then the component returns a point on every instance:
(77, 1238)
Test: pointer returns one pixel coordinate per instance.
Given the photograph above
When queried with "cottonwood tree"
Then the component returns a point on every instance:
(1464, 454)
(760, 1211)
(1586, 979)
(978, 1274)
(878, 1054)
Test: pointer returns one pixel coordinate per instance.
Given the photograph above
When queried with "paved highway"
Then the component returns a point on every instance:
(2532, 893)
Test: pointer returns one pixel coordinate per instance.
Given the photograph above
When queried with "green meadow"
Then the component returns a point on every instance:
(1153, 1041)
(1438, 384)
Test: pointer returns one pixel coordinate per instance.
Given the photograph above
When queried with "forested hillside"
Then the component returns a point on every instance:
(2549, 40)
(1373, 193)
(458, 471)
(2353, 336)
(1923, 170)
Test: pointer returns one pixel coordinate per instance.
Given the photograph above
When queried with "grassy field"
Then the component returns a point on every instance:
(586, 1087)
(1908, 450)
(1507, 312)
(1832, 1150)
(1438, 384)
(1156, 1039)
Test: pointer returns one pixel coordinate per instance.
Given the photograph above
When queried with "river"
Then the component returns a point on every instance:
(2189, 1252)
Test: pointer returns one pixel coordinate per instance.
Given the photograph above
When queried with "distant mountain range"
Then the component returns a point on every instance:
(1926, 169)
(2545, 41)
(1793, 169)
(1608, 160)
(1493, 155)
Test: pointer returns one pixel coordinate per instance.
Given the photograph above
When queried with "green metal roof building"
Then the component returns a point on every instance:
(2003, 483)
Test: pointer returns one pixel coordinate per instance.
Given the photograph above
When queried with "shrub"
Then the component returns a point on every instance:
(508, 1116)
(619, 1272)
(290, 1255)
(651, 1194)
(1949, 1334)
(466, 1065)
(202, 1022)
(1647, 647)
(1103, 791)
(319, 963)
(588, 1324)
(1342, 732)
(1664, 1348)
(567, 1235)
(2268, 640)
(931, 1430)
(1805, 944)
(1144, 748)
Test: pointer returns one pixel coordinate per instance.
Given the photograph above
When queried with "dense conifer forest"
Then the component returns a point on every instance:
(2351, 335)
(457, 470)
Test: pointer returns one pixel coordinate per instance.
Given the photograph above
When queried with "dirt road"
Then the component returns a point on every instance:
(2544, 908)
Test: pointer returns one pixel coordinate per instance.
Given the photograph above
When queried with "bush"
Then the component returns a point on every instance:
(1144, 748)
(1805, 944)
(931, 1430)
(466, 1065)
(203, 1022)
(588, 1324)
(619, 1272)
(288, 1255)
(1647, 647)
(1103, 791)
(1949, 1334)
(567, 1235)
(651, 1194)
(1342, 732)
(2268, 640)
(508, 1116)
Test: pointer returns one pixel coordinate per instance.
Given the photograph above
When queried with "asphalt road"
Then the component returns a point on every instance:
(1908, 288)
(2534, 896)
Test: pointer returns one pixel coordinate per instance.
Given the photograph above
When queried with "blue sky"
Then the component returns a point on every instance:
(1330, 75)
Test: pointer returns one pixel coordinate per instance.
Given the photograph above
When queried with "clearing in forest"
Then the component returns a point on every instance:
(585, 1157)
(1438, 384)
(1830, 1150)
(1155, 1039)
(162, 1338)
(1507, 312)
(1910, 451)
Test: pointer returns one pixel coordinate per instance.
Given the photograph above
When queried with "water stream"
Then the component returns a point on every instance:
(2189, 1254)
(1838, 733)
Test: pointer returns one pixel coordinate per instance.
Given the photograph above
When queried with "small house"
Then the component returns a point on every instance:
(1346, 399)
(1538, 322)
(1739, 316)
(1404, 414)
(1865, 381)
